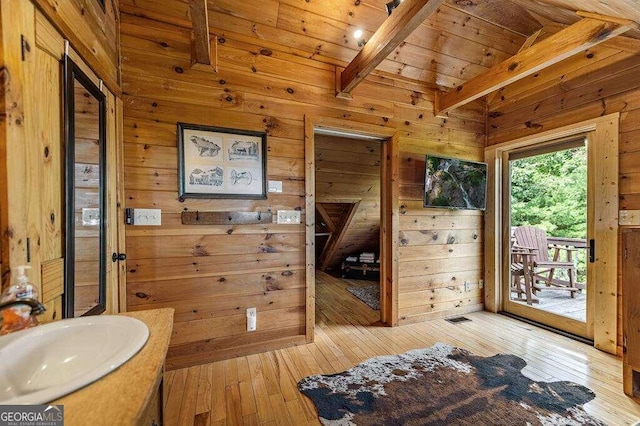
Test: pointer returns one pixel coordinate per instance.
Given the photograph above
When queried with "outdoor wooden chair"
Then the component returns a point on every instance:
(544, 268)
(522, 270)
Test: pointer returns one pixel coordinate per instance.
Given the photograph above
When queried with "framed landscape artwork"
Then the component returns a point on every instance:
(216, 162)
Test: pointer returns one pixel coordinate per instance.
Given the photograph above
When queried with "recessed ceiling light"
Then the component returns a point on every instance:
(357, 34)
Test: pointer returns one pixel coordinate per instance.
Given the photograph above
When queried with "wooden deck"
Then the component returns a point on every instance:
(561, 303)
(261, 388)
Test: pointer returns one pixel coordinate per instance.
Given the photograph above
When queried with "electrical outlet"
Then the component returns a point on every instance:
(481, 283)
(629, 217)
(251, 319)
(288, 217)
(467, 286)
(90, 217)
(149, 217)
(275, 186)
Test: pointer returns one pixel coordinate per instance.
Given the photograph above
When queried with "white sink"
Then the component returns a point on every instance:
(46, 362)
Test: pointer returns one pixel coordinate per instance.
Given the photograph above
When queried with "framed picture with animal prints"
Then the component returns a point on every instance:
(216, 162)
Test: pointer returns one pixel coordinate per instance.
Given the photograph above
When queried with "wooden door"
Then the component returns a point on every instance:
(32, 164)
(544, 301)
(31, 148)
(602, 142)
(603, 233)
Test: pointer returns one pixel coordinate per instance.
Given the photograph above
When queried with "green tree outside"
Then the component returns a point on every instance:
(549, 191)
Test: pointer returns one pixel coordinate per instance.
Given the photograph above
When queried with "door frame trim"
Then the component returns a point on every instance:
(602, 131)
(388, 219)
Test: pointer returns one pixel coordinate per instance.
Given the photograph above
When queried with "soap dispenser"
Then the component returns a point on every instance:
(18, 317)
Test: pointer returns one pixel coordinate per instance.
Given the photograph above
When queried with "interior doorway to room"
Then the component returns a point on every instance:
(348, 171)
(545, 191)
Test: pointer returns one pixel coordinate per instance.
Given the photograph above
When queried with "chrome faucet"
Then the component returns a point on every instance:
(37, 308)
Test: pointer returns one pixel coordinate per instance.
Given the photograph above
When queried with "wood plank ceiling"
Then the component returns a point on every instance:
(461, 40)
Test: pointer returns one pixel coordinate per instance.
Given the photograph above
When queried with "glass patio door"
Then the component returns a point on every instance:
(545, 190)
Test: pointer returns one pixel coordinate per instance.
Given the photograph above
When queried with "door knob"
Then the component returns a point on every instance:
(118, 256)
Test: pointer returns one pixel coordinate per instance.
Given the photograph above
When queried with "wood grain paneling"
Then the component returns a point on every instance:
(566, 43)
(449, 42)
(33, 163)
(23, 161)
(92, 32)
(211, 274)
(277, 63)
(52, 279)
(439, 250)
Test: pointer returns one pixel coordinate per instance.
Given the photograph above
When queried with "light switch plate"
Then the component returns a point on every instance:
(275, 186)
(252, 320)
(288, 217)
(148, 217)
(629, 217)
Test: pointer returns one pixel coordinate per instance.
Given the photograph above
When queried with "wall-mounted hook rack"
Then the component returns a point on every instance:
(225, 218)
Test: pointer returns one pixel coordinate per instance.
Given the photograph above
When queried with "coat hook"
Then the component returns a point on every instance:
(197, 216)
(259, 215)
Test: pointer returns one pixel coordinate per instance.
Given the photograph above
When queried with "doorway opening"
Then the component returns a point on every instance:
(347, 227)
(388, 140)
(547, 190)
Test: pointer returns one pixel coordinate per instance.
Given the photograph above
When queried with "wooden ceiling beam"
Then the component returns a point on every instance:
(393, 31)
(324, 215)
(578, 37)
(200, 41)
(615, 19)
(527, 44)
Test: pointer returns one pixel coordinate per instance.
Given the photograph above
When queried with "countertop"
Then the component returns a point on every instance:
(120, 397)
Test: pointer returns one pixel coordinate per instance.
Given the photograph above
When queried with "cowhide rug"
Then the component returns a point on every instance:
(443, 385)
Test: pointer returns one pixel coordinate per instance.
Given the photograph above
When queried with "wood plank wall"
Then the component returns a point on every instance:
(31, 155)
(211, 274)
(348, 170)
(92, 32)
(598, 82)
(31, 119)
(439, 249)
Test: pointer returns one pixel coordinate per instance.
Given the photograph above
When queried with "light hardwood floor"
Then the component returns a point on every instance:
(261, 388)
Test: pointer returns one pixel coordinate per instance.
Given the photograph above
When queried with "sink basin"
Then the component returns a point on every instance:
(49, 361)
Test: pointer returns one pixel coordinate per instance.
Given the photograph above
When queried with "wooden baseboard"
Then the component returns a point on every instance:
(203, 354)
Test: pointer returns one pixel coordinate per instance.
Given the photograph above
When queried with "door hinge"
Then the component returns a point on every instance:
(24, 46)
